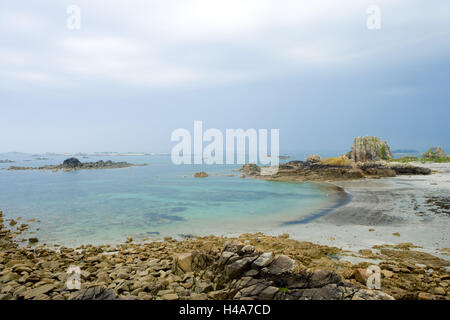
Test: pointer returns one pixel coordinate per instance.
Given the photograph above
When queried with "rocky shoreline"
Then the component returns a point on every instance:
(251, 266)
(73, 164)
(320, 171)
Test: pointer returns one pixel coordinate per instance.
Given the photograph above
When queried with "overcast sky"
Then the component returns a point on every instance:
(137, 70)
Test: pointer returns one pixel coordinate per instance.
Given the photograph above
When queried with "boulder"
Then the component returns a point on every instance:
(200, 174)
(313, 158)
(251, 169)
(38, 291)
(183, 262)
(237, 268)
(263, 260)
(434, 153)
(361, 275)
(72, 163)
(370, 149)
(281, 265)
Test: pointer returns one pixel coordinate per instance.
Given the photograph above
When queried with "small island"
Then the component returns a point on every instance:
(369, 157)
(6, 161)
(73, 164)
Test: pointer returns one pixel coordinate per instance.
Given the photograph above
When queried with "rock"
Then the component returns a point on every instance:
(313, 158)
(434, 153)
(33, 240)
(183, 262)
(387, 274)
(72, 163)
(406, 168)
(425, 296)
(361, 275)
(21, 268)
(251, 169)
(103, 277)
(170, 296)
(263, 260)
(439, 290)
(6, 296)
(248, 249)
(237, 268)
(94, 293)
(217, 295)
(321, 278)
(123, 275)
(9, 276)
(365, 252)
(282, 264)
(251, 273)
(198, 296)
(268, 293)
(200, 174)
(19, 291)
(365, 294)
(369, 149)
(39, 291)
(203, 287)
(234, 246)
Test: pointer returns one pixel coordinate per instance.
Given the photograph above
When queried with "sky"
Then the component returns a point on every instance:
(137, 70)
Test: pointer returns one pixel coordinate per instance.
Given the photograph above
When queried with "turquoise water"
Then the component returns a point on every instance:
(107, 206)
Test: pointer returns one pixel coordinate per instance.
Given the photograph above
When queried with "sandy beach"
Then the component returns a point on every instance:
(402, 204)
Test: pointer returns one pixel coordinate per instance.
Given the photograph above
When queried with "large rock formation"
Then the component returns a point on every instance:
(369, 149)
(434, 153)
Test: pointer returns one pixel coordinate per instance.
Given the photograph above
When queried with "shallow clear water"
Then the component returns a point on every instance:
(107, 206)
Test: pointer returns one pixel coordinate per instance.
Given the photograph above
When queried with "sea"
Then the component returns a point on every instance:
(159, 200)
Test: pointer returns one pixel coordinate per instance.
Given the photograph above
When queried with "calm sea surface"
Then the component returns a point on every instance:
(158, 200)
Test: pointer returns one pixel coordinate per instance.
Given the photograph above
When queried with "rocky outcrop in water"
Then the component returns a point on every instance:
(434, 153)
(343, 170)
(73, 164)
(201, 174)
(369, 149)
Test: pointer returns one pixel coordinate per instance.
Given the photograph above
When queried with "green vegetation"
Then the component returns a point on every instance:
(439, 160)
(383, 153)
(405, 159)
(423, 160)
(283, 290)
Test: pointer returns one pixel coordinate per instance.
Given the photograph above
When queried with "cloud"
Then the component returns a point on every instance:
(160, 44)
